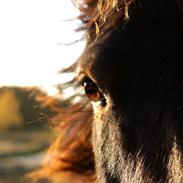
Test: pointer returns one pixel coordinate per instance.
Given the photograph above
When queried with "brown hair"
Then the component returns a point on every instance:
(71, 154)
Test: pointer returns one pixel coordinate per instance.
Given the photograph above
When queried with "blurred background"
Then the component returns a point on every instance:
(36, 39)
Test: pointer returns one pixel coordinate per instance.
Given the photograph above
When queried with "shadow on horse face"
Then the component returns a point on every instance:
(133, 76)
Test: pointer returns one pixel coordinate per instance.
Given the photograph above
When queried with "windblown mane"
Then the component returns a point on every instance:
(71, 156)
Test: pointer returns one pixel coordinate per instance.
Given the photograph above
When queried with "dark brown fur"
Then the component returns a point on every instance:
(134, 54)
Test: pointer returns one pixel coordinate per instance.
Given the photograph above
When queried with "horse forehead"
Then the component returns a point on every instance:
(110, 54)
(106, 55)
(98, 63)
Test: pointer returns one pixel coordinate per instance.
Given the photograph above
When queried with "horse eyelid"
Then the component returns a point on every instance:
(85, 79)
(81, 81)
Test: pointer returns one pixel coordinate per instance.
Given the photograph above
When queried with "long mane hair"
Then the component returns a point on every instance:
(71, 154)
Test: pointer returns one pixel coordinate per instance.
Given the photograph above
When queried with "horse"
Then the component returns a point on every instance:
(131, 72)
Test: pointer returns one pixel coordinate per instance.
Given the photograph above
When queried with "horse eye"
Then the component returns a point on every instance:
(92, 91)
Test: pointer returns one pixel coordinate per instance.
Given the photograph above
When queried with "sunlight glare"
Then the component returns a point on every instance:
(30, 37)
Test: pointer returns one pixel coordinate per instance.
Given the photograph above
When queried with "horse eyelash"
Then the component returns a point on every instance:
(81, 82)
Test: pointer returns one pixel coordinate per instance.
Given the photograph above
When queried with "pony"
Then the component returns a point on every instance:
(131, 125)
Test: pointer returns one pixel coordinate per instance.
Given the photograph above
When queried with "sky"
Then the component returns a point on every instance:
(32, 34)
